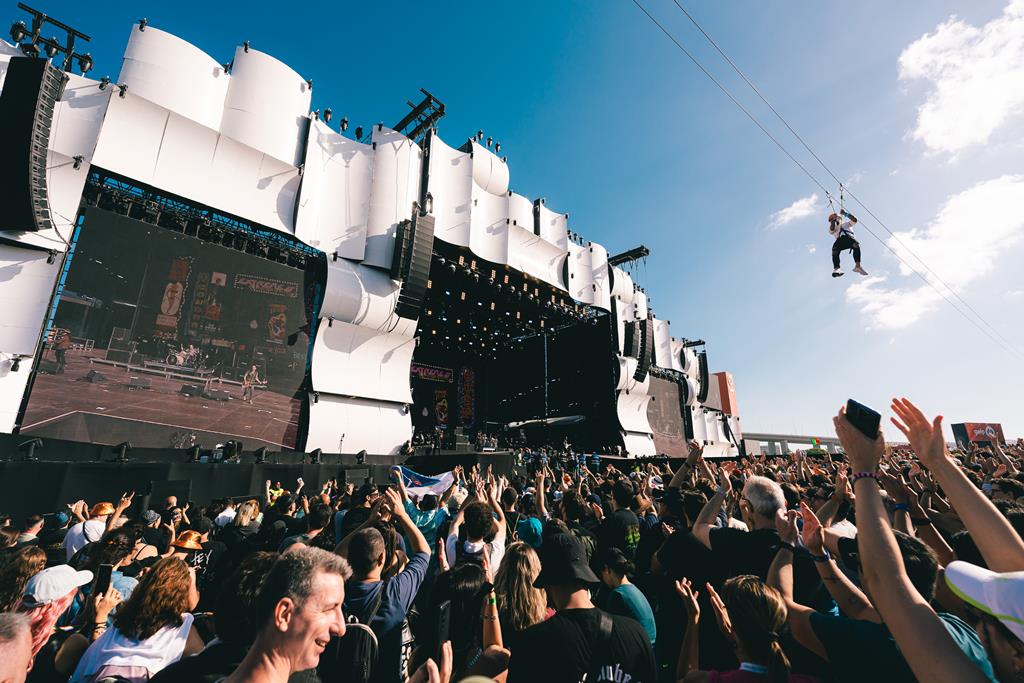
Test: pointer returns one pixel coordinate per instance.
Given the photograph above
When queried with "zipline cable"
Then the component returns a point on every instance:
(817, 158)
(999, 340)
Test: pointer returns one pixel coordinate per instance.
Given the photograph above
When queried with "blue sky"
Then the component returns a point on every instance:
(600, 114)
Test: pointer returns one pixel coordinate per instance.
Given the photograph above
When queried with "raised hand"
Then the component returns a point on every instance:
(689, 597)
(862, 452)
(813, 535)
(925, 437)
(785, 524)
(721, 613)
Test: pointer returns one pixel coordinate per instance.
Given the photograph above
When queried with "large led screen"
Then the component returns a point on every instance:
(165, 340)
(666, 418)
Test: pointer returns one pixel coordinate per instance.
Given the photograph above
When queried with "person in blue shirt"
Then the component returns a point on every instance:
(429, 514)
(624, 598)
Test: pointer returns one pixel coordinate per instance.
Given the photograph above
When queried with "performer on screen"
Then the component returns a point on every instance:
(249, 382)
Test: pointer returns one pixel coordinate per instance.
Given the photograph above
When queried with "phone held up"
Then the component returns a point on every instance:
(102, 581)
(863, 418)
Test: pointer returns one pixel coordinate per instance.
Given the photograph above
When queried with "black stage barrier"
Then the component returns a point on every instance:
(66, 471)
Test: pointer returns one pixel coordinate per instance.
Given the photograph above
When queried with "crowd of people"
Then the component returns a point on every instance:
(889, 563)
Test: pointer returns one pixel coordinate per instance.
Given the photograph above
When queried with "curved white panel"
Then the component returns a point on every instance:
(520, 211)
(363, 296)
(677, 356)
(700, 426)
(662, 344)
(529, 254)
(553, 227)
(12, 389)
(64, 185)
(338, 424)
(129, 141)
(334, 198)
(78, 117)
(692, 389)
(599, 264)
(581, 274)
(489, 172)
(622, 285)
(632, 411)
(267, 105)
(396, 185)
(489, 226)
(639, 445)
(450, 183)
(640, 302)
(175, 74)
(352, 360)
(26, 284)
(619, 312)
(627, 366)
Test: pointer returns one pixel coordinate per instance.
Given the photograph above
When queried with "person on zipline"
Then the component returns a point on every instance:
(842, 231)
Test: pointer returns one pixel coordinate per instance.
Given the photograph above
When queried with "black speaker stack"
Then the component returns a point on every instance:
(646, 348)
(411, 265)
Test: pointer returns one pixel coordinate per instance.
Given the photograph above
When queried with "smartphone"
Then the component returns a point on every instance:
(442, 628)
(863, 418)
(102, 582)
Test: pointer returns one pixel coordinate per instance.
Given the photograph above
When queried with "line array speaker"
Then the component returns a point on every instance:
(411, 265)
(702, 361)
(632, 344)
(646, 345)
(31, 89)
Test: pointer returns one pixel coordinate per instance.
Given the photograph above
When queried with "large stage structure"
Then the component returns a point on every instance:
(188, 254)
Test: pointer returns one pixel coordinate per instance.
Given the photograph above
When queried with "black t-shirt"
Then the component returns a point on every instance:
(215, 662)
(157, 536)
(43, 668)
(621, 530)
(745, 552)
(565, 648)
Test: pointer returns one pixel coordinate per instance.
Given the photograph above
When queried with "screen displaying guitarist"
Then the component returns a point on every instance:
(249, 382)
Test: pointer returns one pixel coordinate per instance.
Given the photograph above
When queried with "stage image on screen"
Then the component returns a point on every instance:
(168, 341)
(666, 419)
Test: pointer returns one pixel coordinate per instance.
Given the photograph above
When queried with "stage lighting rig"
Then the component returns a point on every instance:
(316, 456)
(327, 115)
(29, 448)
(359, 132)
(193, 453)
(261, 455)
(20, 32)
(122, 449)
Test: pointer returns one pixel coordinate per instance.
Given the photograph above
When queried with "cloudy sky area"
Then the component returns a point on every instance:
(918, 106)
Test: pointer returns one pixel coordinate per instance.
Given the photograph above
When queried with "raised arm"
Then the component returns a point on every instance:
(679, 478)
(706, 519)
(780, 577)
(412, 532)
(918, 631)
(850, 599)
(396, 473)
(999, 544)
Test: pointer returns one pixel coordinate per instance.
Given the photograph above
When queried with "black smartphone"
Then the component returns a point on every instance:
(863, 418)
(442, 629)
(102, 581)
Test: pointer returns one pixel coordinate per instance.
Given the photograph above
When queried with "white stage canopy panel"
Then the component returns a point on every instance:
(363, 296)
(78, 117)
(26, 284)
(677, 356)
(338, 424)
(175, 74)
(662, 344)
(639, 445)
(552, 227)
(267, 106)
(489, 226)
(351, 360)
(632, 411)
(334, 199)
(450, 183)
(534, 256)
(490, 172)
(397, 161)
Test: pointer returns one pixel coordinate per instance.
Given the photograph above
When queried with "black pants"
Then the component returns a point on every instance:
(845, 242)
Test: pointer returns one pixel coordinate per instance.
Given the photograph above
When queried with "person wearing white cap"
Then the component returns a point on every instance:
(996, 601)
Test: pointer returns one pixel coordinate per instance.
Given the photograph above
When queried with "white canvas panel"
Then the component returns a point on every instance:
(339, 424)
(627, 366)
(602, 287)
(529, 254)
(26, 285)
(185, 164)
(356, 361)
(618, 311)
(334, 198)
(267, 106)
(632, 411)
(175, 74)
(662, 345)
(490, 173)
(363, 296)
(690, 364)
(640, 303)
(553, 227)
(581, 273)
(622, 285)
(12, 389)
(736, 427)
(692, 389)
(131, 136)
(64, 186)
(677, 356)
(639, 445)
(253, 185)
(397, 162)
(520, 211)
(78, 117)
(700, 426)
(489, 226)
(450, 183)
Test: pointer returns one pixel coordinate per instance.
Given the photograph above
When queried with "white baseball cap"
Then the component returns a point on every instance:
(53, 583)
(1000, 595)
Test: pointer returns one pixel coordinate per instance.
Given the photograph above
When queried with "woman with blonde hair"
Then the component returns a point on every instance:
(15, 573)
(152, 629)
(752, 615)
(520, 605)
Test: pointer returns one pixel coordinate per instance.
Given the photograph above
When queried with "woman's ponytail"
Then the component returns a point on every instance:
(778, 662)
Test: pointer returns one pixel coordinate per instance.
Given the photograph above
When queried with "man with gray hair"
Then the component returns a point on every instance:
(299, 611)
(739, 551)
(16, 647)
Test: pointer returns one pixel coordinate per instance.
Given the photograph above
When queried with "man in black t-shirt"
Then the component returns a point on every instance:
(581, 642)
(621, 529)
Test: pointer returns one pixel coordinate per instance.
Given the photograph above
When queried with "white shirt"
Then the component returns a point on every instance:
(155, 653)
(495, 549)
(82, 534)
(226, 517)
(845, 228)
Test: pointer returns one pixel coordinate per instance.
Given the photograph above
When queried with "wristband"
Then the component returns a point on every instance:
(787, 546)
(491, 600)
(822, 558)
(862, 475)
(902, 506)
(920, 521)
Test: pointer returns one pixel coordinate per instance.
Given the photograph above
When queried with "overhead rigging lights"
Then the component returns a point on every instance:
(992, 333)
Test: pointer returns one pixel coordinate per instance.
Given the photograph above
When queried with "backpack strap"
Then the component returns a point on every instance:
(599, 650)
(376, 603)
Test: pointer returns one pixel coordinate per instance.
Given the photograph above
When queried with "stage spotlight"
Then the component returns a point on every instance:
(18, 31)
(122, 450)
(245, 46)
(142, 23)
(441, 261)
(428, 203)
(16, 364)
(327, 115)
(261, 455)
(489, 141)
(479, 135)
(85, 63)
(361, 457)
(30, 50)
(344, 123)
(452, 267)
(29, 448)
(359, 132)
(51, 48)
(497, 147)
(316, 456)
(104, 82)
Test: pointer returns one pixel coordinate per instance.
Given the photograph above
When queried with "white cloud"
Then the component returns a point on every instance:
(961, 244)
(1014, 294)
(976, 77)
(811, 248)
(801, 208)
